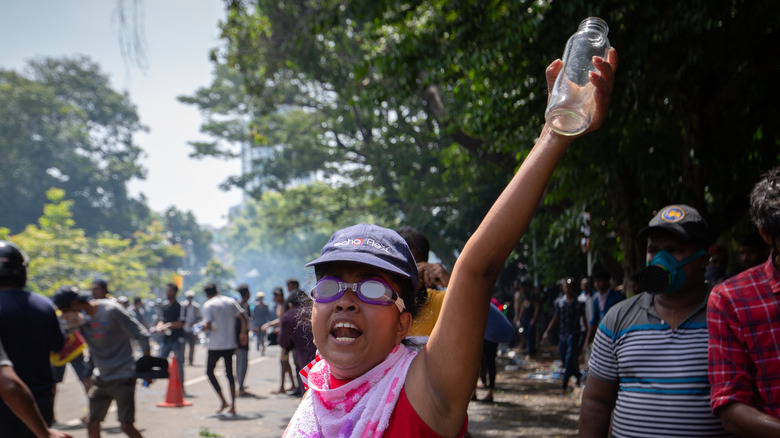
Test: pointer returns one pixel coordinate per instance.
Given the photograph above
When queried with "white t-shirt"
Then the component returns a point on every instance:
(221, 312)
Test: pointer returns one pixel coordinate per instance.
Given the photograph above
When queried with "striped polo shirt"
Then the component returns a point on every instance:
(662, 373)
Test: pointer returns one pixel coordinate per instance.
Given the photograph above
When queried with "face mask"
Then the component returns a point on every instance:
(664, 274)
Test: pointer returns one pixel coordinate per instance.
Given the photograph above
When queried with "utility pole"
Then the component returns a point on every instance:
(585, 241)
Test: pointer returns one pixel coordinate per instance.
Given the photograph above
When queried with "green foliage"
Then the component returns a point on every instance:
(182, 230)
(63, 126)
(61, 254)
(206, 432)
(218, 273)
(275, 236)
(432, 104)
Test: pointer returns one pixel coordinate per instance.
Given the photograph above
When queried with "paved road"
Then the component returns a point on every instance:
(263, 415)
(523, 406)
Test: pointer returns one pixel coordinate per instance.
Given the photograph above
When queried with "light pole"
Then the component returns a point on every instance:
(585, 241)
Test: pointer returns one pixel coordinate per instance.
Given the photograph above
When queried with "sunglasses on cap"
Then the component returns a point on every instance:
(371, 291)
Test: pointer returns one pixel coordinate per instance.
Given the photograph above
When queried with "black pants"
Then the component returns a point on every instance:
(12, 426)
(211, 363)
(488, 373)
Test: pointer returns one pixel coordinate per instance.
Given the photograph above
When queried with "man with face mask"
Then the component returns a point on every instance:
(744, 325)
(649, 359)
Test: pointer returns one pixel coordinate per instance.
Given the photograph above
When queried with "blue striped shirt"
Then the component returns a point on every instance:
(661, 373)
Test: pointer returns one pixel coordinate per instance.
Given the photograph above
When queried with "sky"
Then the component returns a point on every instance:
(178, 35)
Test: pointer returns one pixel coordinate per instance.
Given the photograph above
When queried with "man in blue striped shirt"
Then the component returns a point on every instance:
(649, 361)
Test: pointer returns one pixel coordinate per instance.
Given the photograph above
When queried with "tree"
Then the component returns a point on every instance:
(182, 230)
(157, 253)
(273, 237)
(64, 126)
(435, 102)
(220, 274)
(58, 251)
(62, 254)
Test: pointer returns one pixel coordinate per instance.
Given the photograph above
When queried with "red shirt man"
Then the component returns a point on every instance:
(743, 319)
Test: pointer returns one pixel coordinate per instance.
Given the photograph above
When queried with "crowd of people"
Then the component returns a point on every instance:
(105, 340)
(401, 342)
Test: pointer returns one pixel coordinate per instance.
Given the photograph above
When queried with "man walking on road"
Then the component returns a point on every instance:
(603, 300)
(172, 329)
(220, 313)
(295, 334)
(261, 314)
(242, 350)
(108, 332)
(192, 316)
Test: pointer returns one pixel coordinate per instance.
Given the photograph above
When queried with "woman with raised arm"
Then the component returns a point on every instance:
(366, 382)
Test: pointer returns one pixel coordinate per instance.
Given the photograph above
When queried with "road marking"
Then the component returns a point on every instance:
(205, 377)
(112, 409)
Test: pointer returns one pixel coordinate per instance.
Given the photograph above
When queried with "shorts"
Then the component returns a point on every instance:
(103, 392)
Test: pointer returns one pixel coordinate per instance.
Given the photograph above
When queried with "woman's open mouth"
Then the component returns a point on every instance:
(345, 332)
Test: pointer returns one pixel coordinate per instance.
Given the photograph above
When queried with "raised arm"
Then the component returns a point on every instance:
(439, 391)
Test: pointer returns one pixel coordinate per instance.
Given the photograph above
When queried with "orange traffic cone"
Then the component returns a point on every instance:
(175, 396)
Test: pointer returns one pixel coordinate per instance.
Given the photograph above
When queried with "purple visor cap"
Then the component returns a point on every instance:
(370, 245)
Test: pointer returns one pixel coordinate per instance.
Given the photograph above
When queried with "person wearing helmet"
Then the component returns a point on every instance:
(29, 331)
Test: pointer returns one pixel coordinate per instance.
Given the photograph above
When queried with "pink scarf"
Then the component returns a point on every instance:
(360, 408)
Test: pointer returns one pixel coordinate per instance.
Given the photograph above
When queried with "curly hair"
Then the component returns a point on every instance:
(765, 203)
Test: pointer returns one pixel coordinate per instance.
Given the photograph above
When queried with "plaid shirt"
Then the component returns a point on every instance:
(743, 317)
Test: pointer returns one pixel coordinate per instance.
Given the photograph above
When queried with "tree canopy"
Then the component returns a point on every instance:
(182, 229)
(430, 105)
(69, 152)
(64, 126)
(62, 254)
(273, 237)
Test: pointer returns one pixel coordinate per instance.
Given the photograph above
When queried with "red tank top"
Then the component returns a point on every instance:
(405, 422)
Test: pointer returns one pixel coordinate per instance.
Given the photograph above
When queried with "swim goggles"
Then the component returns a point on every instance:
(371, 291)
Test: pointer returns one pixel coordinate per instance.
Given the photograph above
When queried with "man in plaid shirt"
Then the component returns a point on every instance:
(744, 325)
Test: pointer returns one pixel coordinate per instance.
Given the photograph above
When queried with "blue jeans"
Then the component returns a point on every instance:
(242, 363)
(569, 348)
(176, 345)
(530, 337)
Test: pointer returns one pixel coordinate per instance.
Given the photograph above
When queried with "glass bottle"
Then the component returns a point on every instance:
(571, 105)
